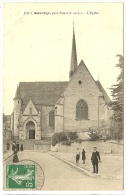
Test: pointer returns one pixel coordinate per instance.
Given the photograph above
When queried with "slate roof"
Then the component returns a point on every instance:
(17, 94)
(41, 93)
(107, 99)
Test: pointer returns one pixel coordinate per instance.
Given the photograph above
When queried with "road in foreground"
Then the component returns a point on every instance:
(60, 176)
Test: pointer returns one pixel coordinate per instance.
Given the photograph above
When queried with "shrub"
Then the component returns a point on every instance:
(58, 137)
(72, 135)
(62, 136)
(100, 134)
(94, 136)
(55, 139)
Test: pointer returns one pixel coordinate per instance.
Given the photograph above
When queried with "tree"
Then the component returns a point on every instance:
(58, 137)
(117, 90)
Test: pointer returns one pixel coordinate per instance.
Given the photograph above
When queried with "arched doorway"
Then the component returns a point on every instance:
(30, 127)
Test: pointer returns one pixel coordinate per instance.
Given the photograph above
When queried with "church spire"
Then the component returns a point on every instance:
(73, 65)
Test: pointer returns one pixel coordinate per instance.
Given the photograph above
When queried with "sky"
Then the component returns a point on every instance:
(37, 46)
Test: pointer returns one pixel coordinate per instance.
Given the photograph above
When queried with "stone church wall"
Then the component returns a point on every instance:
(58, 124)
(46, 130)
(59, 119)
(70, 120)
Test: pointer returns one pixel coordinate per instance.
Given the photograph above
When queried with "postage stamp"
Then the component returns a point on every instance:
(20, 176)
(24, 175)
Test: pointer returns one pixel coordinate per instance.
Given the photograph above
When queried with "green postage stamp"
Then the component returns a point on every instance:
(20, 176)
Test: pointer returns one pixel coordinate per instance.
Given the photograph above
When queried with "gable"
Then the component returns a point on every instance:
(82, 82)
(30, 109)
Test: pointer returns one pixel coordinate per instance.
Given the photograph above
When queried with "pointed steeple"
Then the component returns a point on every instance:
(73, 65)
(17, 94)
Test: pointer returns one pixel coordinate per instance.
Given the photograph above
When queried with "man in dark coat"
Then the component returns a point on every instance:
(95, 158)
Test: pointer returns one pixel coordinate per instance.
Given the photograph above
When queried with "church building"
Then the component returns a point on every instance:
(44, 108)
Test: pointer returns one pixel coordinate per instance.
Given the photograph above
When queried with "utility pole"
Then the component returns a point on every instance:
(98, 113)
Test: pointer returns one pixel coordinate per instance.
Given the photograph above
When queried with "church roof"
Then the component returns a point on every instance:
(41, 93)
(107, 99)
(17, 94)
(47, 93)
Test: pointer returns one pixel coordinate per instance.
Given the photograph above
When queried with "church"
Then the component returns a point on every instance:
(44, 108)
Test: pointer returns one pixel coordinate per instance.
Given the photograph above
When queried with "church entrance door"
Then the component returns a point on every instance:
(30, 128)
(31, 134)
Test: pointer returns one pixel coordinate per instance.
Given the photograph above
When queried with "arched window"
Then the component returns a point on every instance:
(52, 119)
(81, 110)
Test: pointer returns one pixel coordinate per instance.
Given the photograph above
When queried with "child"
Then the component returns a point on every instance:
(77, 156)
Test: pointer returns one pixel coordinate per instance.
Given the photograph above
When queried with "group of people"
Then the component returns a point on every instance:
(95, 158)
(16, 145)
(15, 149)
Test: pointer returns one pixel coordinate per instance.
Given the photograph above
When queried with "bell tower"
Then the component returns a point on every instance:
(17, 108)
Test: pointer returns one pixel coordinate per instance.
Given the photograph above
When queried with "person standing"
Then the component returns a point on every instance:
(8, 146)
(13, 146)
(83, 156)
(17, 146)
(77, 156)
(95, 158)
(21, 148)
(15, 157)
